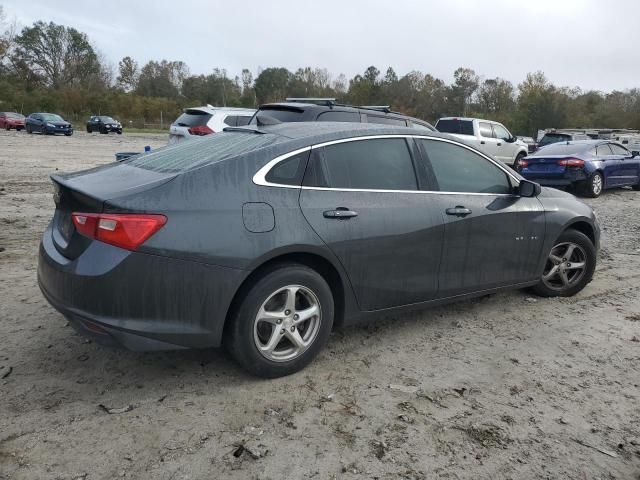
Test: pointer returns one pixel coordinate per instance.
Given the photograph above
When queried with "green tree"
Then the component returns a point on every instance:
(162, 79)
(272, 85)
(56, 56)
(464, 86)
(128, 74)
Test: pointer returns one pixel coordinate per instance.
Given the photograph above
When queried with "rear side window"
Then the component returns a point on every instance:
(282, 114)
(339, 117)
(485, 129)
(289, 171)
(386, 120)
(231, 120)
(462, 127)
(203, 151)
(603, 150)
(193, 118)
(377, 164)
(458, 169)
(243, 120)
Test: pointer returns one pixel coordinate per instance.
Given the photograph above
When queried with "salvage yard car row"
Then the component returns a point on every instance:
(52, 123)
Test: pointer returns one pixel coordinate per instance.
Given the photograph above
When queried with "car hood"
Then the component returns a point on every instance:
(548, 192)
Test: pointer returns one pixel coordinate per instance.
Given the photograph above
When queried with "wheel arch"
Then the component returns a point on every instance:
(585, 227)
(337, 281)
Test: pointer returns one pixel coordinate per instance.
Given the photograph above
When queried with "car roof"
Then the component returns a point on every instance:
(211, 109)
(327, 131)
(468, 119)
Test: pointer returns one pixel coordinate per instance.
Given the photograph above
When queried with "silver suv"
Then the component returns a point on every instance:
(200, 121)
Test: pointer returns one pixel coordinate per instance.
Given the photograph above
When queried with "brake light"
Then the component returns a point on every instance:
(200, 130)
(571, 162)
(124, 230)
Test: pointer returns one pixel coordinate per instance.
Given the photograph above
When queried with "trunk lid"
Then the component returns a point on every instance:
(544, 165)
(88, 191)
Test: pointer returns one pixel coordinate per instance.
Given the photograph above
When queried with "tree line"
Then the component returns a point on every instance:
(50, 67)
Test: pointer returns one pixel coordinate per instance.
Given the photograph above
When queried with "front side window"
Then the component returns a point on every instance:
(458, 169)
(376, 164)
(618, 150)
(501, 132)
(485, 129)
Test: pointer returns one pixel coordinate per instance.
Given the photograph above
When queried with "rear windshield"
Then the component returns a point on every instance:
(205, 151)
(463, 127)
(550, 138)
(193, 118)
(14, 115)
(562, 148)
(282, 114)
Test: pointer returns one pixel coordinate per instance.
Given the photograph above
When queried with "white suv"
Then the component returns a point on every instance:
(199, 121)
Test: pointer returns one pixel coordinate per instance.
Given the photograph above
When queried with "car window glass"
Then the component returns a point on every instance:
(501, 132)
(386, 120)
(231, 120)
(454, 125)
(485, 129)
(458, 169)
(603, 150)
(377, 164)
(288, 171)
(339, 117)
(618, 150)
(243, 120)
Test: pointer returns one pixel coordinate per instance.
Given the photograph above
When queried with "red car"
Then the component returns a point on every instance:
(9, 120)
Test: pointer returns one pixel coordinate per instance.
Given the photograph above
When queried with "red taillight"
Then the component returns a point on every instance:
(200, 130)
(522, 163)
(124, 230)
(571, 162)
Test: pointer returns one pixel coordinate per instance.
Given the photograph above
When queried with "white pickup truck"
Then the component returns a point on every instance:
(490, 137)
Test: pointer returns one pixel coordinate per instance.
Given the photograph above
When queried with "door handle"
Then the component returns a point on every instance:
(481, 142)
(458, 211)
(499, 144)
(339, 213)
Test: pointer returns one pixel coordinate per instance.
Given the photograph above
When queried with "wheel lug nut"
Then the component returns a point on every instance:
(282, 332)
(293, 329)
(296, 316)
(287, 312)
(279, 321)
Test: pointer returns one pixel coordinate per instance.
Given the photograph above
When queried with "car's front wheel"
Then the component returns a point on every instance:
(283, 321)
(28, 128)
(569, 266)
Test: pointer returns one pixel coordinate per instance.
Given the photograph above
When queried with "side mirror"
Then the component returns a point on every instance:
(635, 153)
(529, 189)
(510, 139)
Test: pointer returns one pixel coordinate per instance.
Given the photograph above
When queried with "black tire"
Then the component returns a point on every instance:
(28, 128)
(104, 131)
(581, 240)
(636, 187)
(239, 336)
(89, 130)
(589, 187)
(68, 134)
(119, 132)
(7, 128)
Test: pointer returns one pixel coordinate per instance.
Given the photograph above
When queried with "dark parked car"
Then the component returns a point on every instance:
(48, 124)
(9, 120)
(103, 124)
(264, 238)
(589, 165)
(326, 110)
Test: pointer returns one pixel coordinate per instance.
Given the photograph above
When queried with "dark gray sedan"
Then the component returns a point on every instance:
(263, 238)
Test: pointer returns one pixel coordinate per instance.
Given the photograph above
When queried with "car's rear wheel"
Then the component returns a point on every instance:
(636, 187)
(569, 266)
(593, 186)
(7, 127)
(282, 323)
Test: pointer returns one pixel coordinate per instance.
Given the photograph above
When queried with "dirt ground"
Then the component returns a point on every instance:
(509, 386)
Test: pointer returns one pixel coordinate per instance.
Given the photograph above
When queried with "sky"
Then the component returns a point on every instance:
(584, 43)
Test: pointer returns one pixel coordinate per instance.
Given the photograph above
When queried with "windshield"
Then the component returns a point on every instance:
(14, 115)
(51, 117)
(462, 127)
(107, 119)
(186, 156)
(550, 138)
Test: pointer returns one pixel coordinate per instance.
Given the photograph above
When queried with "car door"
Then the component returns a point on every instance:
(626, 168)
(492, 236)
(488, 140)
(506, 150)
(362, 198)
(610, 163)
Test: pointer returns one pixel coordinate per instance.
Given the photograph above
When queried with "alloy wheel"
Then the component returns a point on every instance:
(565, 267)
(287, 323)
(596, 184)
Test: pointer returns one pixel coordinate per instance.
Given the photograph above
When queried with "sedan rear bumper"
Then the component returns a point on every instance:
(136, 300)
(555, 180)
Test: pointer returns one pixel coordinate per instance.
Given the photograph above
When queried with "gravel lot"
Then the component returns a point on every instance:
(506, 386)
